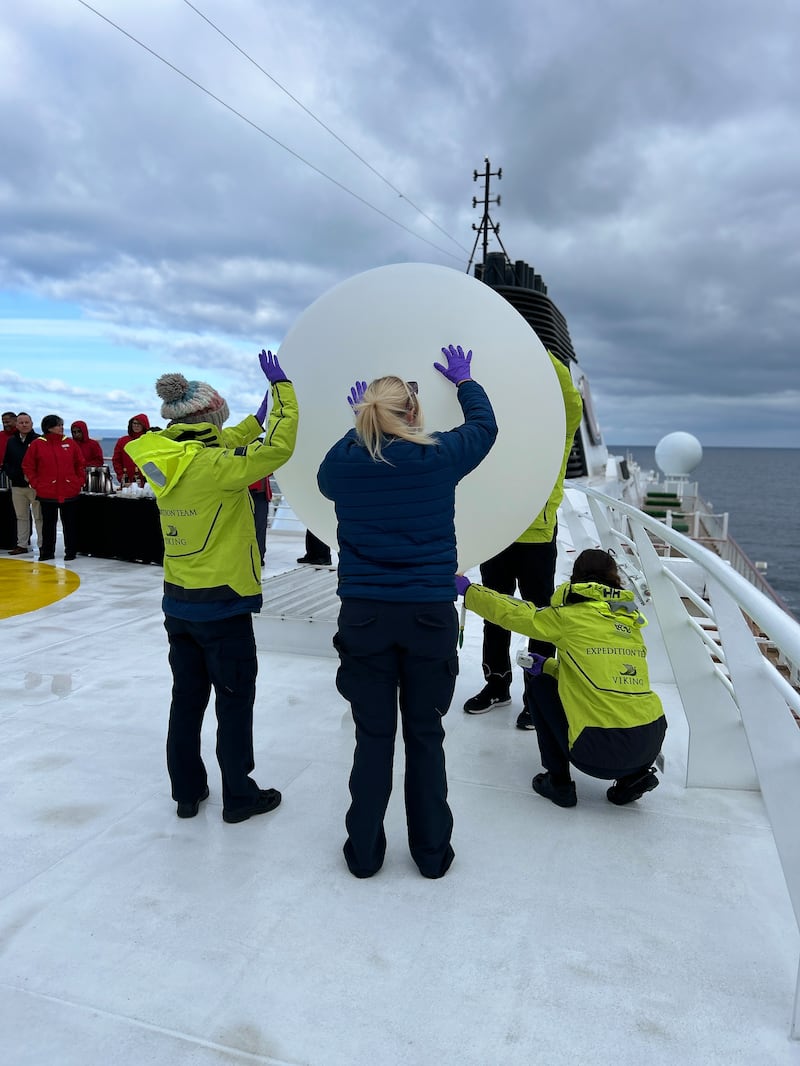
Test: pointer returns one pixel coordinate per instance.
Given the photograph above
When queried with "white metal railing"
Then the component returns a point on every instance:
(742, 733)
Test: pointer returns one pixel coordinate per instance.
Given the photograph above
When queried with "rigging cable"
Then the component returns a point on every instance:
(327, 128)
(264, 133)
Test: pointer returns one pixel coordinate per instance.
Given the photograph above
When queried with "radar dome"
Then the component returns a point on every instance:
(678, 454)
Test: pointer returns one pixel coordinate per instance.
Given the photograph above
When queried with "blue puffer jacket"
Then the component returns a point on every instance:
(397, 538)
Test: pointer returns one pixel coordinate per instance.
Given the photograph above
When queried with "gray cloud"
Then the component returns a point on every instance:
(650, 153)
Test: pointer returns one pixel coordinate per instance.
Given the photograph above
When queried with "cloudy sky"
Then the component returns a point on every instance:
(651, 168)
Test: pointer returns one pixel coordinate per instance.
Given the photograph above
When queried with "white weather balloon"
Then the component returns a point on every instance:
(395, 320)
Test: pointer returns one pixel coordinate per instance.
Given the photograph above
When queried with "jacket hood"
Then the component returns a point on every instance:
(138, 418)
(616, 601)
(82, 427)
(161, 459)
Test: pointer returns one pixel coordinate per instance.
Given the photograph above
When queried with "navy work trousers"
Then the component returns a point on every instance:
(223, 654)
(389, 651)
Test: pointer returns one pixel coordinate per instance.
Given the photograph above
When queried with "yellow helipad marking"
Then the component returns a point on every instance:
(27, 586)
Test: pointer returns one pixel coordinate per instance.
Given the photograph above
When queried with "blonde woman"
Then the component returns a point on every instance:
(393, 486)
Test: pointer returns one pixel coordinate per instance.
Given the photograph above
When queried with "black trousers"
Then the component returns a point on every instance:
(532, 567)
(552, 735)
(69, 524)
(317, 549)
(389, 651)
(222, 654)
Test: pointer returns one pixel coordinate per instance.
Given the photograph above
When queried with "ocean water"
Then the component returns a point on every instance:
(758, 487)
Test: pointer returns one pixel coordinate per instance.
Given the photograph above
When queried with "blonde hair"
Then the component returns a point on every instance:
(383, 414)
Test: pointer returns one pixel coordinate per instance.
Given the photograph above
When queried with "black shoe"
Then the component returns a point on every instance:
(268, 800)
(627, 791)
(314, 562)
(69, 558)
(190, 809)
(524, 719)
(487, 698)
(561, 795)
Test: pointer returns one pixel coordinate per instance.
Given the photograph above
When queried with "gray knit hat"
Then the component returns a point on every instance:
(190, 401)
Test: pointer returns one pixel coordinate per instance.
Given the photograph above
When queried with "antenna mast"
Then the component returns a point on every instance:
(486, 222)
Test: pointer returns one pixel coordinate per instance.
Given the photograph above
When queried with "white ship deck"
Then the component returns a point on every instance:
(656, 934)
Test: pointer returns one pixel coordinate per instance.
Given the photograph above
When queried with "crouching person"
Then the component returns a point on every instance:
(200, 475)
(592, 704)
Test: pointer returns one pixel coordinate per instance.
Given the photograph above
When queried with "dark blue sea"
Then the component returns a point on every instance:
(759, 489)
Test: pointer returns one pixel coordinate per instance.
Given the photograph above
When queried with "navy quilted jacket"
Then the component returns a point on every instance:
(397, 538)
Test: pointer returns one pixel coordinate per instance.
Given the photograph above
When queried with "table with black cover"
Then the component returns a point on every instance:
(8, 520)
(120, 527)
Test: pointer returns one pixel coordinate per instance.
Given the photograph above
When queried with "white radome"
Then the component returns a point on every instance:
(395, 320)
(678, 454)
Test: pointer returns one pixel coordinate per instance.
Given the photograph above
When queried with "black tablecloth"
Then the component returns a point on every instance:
(119, 527)
(8, 521)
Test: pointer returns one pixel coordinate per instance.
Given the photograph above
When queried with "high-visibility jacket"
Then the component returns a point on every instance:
(201, 485)
(614, 718)
(541, 530)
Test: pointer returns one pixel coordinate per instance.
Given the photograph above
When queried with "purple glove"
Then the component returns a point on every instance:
(538, 661)
(462, 584)
(458, 364)
(271, 367)
(261, 413)
(357, 393)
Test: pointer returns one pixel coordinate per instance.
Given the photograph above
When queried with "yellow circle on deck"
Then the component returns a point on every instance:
(28, 586)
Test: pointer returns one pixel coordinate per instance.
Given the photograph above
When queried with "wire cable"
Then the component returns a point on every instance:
(327, 128)
(264, 133)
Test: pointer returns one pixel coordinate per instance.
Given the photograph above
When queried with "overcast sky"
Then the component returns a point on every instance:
(651, 168)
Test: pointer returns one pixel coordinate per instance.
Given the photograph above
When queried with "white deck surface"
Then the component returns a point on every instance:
(656, 934)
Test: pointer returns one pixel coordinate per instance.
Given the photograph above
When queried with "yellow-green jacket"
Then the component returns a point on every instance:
(201, 485)
(615, 720)
(543, 526)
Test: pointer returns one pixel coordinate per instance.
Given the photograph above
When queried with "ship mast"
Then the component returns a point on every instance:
(486, 224)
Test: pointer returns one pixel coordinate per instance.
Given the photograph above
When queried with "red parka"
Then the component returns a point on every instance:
(124, 466)
(91, 450)
(54, 467)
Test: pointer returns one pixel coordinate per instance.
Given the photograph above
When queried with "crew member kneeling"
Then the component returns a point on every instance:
(594, 708)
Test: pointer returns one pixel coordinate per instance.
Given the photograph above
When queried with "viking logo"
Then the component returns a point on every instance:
(628, 670)
(172, 531)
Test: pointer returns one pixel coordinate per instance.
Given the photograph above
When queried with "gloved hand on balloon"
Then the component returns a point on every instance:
(537, 664)
(357, 393)
(462, 584)
(271, 367)
(458, 364)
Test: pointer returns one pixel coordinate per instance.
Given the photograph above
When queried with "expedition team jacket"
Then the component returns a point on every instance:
(201, 485)
(614, 718)
(541, 530)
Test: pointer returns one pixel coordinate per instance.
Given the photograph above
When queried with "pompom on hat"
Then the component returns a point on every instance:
(190, 401)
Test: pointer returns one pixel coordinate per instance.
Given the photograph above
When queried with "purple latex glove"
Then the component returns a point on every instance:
(261, 413)
(462, 584)
(271, 367)
(537, 664)
(458, 364)
(357, 393)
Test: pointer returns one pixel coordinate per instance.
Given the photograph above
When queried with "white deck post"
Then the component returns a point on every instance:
(718, 753)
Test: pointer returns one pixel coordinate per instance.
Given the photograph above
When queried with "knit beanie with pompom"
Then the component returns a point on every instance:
(190, 401)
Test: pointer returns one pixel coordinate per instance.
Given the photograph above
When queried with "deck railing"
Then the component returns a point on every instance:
(739, 702)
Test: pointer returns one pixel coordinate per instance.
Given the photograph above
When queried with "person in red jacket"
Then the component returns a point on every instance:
(54, 467)
(91, 449)
(124, 467)
(9, 429)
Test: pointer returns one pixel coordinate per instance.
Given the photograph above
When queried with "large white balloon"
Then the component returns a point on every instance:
(395, 320)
